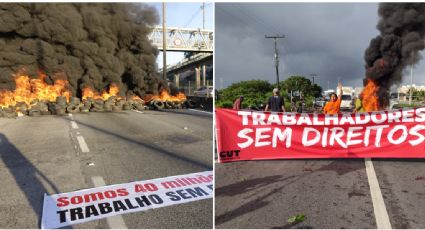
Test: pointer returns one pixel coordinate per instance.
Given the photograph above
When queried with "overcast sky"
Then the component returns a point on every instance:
(327, 39)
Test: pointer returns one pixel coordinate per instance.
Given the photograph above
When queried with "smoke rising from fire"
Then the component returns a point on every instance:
(402, 32)
(88, 44)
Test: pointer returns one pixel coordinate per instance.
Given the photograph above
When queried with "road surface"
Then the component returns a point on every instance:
(330, 193)
(54, 154)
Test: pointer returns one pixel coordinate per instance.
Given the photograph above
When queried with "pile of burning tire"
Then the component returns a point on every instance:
(75, 105)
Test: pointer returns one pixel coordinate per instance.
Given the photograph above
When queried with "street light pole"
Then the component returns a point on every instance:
(276, 55)
(164, 44)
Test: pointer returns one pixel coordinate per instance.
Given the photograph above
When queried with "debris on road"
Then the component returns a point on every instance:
(296, 219)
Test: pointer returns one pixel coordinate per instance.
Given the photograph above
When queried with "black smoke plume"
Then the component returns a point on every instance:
(89, 44)
(402, 31)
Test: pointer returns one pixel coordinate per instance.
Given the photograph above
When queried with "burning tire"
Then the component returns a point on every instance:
(34, 112)
(178, 106)
(9, 113)
(191, 103)
(97, 106)
(75, 101)
(158, 104)
(116, 108)
(107, 106)
(86, 105)
(61, 100)
(96, 109)
(169, 104)
(73, 108)
(42, 106)
(84, 109)
(60, 111)
(138, 106)
(22, 107)
(46, 112)
(126, 106)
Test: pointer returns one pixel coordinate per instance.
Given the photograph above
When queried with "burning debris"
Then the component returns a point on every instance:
(90, 45)
(78, 50)
(402, 33)
(34, 97)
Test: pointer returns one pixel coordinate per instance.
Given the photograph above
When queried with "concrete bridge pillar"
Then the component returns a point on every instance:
(177, 79)
(198, 77)
(204, 75)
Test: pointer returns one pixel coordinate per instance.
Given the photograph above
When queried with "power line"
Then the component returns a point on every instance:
(196, 14)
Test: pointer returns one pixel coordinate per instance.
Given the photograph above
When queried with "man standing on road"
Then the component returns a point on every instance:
(275, 102)
(332, 107)
(237, 105)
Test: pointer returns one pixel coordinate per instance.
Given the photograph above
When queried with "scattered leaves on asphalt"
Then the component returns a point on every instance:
(296, 219)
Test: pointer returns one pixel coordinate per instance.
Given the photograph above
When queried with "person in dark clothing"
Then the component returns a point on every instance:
(275, 102)
(237, 105)
(301, 106)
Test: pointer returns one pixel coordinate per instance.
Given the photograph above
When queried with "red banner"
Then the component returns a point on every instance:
(256, 135)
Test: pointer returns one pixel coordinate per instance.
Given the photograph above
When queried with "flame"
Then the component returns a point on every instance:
(113, 91)
(369, 97)
(165, 96)
(135, 97)
(27, 90)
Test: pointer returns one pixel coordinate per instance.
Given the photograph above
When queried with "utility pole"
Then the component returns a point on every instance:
(203, 15)
(411, 84)
(164, 44)
(314, 75)
(276, 55)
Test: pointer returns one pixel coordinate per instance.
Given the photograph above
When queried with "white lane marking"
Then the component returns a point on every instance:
(74, 125)
(114, 222)
(381, 215)
(201, 111)
(137, 111)
(83, 146)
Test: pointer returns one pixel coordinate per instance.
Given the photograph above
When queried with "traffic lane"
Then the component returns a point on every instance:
(144, 146)
(197, 122)
(264, 194)
(193, 112)
(193, 215)
(402, 183)
(37, 157)
(130, 146)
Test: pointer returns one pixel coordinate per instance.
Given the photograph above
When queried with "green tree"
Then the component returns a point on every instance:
(301, 84)
(255, 92)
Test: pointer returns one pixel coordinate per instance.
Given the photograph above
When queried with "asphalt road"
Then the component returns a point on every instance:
(42, 155)
(330, 193)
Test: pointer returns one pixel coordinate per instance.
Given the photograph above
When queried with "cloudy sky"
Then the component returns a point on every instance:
(327, 39)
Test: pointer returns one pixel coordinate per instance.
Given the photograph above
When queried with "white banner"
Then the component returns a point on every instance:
(90, 204)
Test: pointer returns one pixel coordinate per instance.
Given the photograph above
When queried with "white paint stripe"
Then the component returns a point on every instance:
(200, 111)
(137, 111)
(83, 146)
(74, 125)
(114, 222)
(381, 215)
